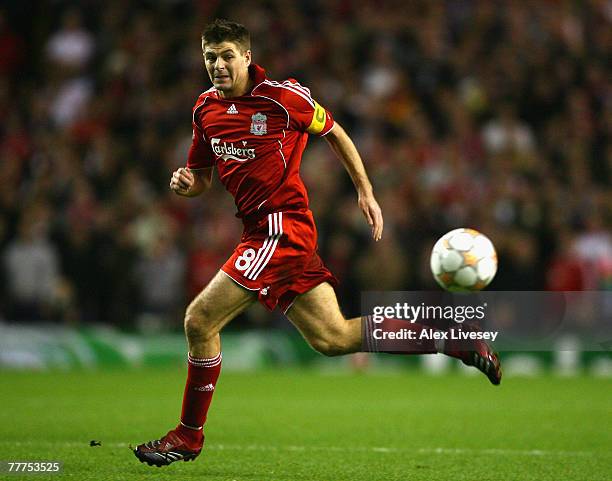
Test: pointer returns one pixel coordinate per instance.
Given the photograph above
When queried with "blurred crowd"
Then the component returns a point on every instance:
(495, 115)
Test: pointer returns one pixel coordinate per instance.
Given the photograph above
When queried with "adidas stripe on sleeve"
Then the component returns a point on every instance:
(305, 113)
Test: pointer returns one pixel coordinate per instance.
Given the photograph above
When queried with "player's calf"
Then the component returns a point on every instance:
(329, 347)
(335, 339)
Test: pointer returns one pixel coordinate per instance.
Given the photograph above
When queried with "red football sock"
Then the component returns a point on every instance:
(406, 345)
(202, 375)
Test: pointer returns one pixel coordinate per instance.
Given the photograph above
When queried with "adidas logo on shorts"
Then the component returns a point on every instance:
(232, 109)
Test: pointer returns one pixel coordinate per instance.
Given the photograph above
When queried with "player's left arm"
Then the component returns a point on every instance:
(307, 115)
(345, 149)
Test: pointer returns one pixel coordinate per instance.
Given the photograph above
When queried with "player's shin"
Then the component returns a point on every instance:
(202, 375)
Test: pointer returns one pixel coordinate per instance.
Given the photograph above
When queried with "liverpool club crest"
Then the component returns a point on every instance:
(258, 124)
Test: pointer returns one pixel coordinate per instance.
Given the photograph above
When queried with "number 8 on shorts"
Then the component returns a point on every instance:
(244, 261)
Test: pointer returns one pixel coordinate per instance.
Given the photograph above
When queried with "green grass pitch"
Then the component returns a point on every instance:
(295, 425)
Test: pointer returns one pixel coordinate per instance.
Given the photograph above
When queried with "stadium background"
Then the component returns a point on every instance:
(483, 114)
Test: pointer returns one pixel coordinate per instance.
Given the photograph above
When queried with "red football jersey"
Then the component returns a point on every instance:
(256, 142)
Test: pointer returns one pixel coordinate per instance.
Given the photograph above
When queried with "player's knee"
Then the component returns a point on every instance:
(196, 325)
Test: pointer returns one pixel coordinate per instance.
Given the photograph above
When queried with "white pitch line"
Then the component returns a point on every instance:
(362, 449)
(391, 450)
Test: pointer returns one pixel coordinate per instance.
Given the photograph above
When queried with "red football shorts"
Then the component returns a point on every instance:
(277, 256)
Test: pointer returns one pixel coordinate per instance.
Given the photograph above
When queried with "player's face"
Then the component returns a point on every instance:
(227, 67)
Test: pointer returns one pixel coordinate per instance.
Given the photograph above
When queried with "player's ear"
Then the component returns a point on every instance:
(247, 57)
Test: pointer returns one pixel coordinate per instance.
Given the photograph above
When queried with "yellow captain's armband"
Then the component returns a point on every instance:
(318, 120)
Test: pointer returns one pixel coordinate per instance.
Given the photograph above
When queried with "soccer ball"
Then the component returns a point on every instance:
(463, 260)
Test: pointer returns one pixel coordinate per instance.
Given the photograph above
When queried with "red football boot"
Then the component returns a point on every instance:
(477, 353)
(170, 448)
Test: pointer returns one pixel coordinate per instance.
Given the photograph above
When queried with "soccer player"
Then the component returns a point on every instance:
(253, 131)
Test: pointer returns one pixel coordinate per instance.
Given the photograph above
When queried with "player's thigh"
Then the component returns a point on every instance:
(317, 315)
(218, 303)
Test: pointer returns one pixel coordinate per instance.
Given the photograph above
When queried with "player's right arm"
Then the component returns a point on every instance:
(191, 182)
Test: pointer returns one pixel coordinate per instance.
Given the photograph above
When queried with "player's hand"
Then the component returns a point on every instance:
(182, 181)
(373, 214)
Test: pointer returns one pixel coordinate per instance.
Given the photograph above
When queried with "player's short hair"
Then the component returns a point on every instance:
(222, 30)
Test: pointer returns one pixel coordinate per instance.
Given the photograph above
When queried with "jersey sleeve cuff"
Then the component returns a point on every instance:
(323, 134)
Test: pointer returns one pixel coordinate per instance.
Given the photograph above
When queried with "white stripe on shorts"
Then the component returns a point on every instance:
(263, 249)
(278, 227)
(271, 244)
